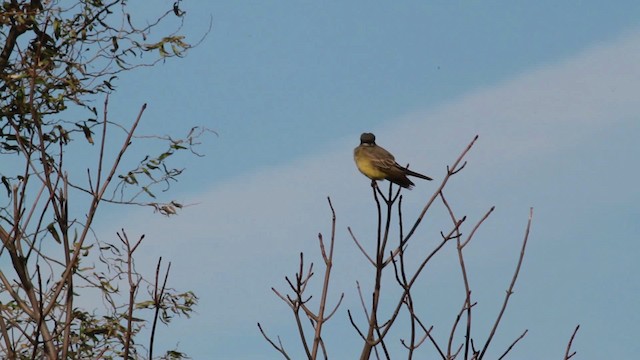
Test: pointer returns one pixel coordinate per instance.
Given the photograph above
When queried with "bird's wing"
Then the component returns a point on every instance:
(382, 159)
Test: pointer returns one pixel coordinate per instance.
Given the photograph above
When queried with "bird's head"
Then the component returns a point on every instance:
(367, 139)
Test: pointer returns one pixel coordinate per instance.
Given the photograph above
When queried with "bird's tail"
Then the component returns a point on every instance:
(418, 175)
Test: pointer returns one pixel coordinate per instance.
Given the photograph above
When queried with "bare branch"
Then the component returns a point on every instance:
(477, 226)
(442, 185)
(355, 326)
(92, 211)
(569, 354)
(513, 344)
(511, 286)
(278, 346)
(360, 247)
(158, 294)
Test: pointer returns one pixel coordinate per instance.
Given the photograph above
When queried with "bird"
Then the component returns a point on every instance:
(376, 163)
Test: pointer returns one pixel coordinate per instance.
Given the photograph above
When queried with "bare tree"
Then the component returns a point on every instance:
(390, 255)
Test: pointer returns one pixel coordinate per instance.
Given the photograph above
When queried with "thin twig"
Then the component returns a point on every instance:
(568, 354)
(279, 348)
(5, 334)
(433, 341)
(465, 278)
(328, 260)
(133, 287)
(157, 302)
(513, 344)
(360, 247)
(454, 170)
(511, 286)
(382, 238)
(92, 212)
(414, 278)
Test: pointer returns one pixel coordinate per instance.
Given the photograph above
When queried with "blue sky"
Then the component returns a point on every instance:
(551, 88)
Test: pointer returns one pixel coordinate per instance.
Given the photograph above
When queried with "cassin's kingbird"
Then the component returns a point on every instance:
(377, 163)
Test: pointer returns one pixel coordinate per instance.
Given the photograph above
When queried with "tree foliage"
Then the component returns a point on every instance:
(58, 58)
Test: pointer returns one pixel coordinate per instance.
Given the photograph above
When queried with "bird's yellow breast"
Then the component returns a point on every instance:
(366, 167)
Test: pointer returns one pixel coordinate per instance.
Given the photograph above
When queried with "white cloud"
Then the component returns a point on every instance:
(246, 234)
